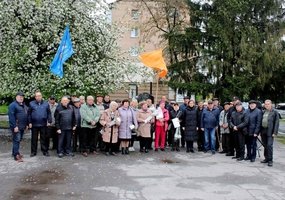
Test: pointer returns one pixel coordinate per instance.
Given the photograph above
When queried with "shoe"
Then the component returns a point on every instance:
(213, 152)
(235, 157)
(127, 151)
(172, 149)
(141, 150)
(192, 151)
(264, 161)
(252, 160)
(94, 152)
(123, 150)
(33, 154)
(156, 149)
(177, 149)
(146, 151)
(60, 155)
(162, 149)
(132, 149)
(84, 154)
(270, 163)
(200, 149)
(69, 154)
(205, 151)
(247, 158)
(222, 152)
(150, 148)
(113, 154)
(18, 158)
(229, 154)
(46, 154)
(107, 153)
(240, 159)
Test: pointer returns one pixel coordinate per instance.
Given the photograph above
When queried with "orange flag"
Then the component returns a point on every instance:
(155, 61)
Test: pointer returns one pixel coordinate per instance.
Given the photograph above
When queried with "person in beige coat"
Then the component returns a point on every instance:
(145, 119)
(110, 120)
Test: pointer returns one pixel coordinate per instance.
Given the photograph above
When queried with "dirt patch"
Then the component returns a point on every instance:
(37, 185)
(168, 161)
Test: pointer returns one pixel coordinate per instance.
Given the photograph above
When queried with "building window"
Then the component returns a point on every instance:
(135, 14)
(134, 51)
(134, 32)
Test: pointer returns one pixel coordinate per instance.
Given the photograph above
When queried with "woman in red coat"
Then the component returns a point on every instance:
(161, 126)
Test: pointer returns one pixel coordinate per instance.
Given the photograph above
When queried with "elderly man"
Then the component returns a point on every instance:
(18, 120)
(269, 130)
(39, 119)
(52, 129)
(90, 115)
(65, 123)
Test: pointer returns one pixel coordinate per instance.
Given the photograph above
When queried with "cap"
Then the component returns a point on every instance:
(238, 104)
(227, 103)
(186, 97)
(76, 100)
(210, 102)
(20, 94)
(252, 101)
(52, 97)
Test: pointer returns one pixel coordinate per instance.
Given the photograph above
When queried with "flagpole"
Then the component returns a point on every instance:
(156, 92)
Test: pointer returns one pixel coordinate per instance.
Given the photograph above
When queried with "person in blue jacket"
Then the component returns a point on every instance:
(18, 121)
(39, 119)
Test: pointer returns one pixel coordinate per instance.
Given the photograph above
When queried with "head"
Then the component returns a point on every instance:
(268, 104)
(113, 106)
(186, 100)
(176, 106)
(125, 103)
(163, 98)
(235, 100)
(205, 105)
(76, 102)
(162, 105)
(51, 100)
(201, 104)
(107, 98)
(90, 100)
(134, 103)
(239, 107)
(210, 105)
(64, 101)
(20, 97)
(252, 105)
(216, 101)
(82, 99)
(99, 99)
(38, 96)
(149, 102)
(144, 105)
(191, 103)
(227, 106)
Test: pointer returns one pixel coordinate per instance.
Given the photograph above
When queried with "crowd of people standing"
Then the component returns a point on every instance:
(89, 125)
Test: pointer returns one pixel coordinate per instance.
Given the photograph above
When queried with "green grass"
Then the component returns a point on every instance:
(281, 139)
(4, 124)
(3, 109)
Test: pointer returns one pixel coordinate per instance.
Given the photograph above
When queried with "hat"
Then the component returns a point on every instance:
(210, 102)
(238, 104)
(52, 97)
(227, 103)
(76, 100)
(186, 97)
(252, 101)
(20, 94)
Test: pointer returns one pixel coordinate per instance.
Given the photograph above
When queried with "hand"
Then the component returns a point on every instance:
(235, 128)
(74, 128)
(30, 125)
(255, 135)
(93, 123)
(274, 135)
(202, 129)
(16, 129)
(58, 131)
(197, 128)
(48, 124)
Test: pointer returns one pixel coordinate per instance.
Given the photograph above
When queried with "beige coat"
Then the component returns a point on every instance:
(105, 121)
(144, 128)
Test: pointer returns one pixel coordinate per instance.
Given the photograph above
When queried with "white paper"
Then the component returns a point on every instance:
(159, 113)
(148, 119)
(132, 126)
(176, 122)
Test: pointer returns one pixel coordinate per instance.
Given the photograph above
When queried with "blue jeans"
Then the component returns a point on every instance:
(17, 137)
(209, 134)
(64, 141)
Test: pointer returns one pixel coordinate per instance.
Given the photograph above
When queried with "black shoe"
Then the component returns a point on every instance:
(200, 149)
(213, 152)
(172, 149)
(46, 154)
(252, 160)
(240, 159)
(235, 157)
(162, 149)
(270, 163)
(123, 150)
(177, 149)
(33, 154)
(156, 149)
(127, 151)
(247, 158)
(229, 154)
(188, 150)
(60, 155)
(141, 150)
(107, 153)
(146, 151)
(69, 154)
(192, 151)
(222, 152)
(264, 161)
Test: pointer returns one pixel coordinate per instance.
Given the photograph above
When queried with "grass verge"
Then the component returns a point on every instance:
(3, 109)
(281, 139)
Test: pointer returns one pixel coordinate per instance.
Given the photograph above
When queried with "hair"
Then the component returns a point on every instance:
(125, 100)
(113, 103)
(192, 100)
(90, 97)
(268, 100)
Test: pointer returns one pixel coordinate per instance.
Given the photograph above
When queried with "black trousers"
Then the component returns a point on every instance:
(218, 136)
(64, 141)
(226, 142)
(200, 140)
(75, 138)
(171, 140)
(251, 146)
(268, 144)
(232, 142)
(89, 139)
(189, 145)
(53, 135)
(182, 137)
(240, 144)
(44, 139)
(144, 143)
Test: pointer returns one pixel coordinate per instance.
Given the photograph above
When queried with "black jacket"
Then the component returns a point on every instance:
(240, 120)
(18, 115)
(254, 121)
(64, 117)
(190, 122)
(273, 122)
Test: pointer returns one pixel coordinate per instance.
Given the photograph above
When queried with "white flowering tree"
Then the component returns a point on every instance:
(30, 32)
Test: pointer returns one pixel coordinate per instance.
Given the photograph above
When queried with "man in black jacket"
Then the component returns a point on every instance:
(239, 121)
(253, 129)
(269, 130)
(65, 123)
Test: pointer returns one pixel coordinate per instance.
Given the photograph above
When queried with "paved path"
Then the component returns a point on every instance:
(154, 176)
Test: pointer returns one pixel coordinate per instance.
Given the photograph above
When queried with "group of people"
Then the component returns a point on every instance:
(89, 125)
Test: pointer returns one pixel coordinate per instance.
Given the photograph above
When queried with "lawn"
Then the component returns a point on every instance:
(281, 139)
(3, 109)
(4, 124)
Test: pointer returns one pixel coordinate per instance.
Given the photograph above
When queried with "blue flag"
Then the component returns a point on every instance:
(64, 52)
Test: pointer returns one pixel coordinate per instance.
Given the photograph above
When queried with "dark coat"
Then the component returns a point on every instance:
(77, 116)
(273, 122)
(18, 115)
(200, 111)
(64, 117)
(240, 120)
(173, 114)
(210, 118)
(190, 122)
(254, 121)
(39, 113)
